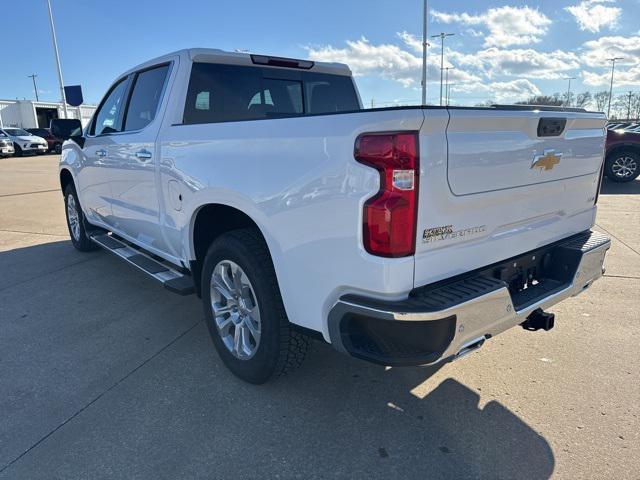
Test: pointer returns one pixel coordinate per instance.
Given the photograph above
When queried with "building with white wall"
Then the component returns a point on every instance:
(32, 114)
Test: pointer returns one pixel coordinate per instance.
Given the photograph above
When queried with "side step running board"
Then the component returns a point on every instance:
(172, 279)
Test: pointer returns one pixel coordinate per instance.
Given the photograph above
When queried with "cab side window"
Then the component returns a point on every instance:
(147, 89)
(108, 118)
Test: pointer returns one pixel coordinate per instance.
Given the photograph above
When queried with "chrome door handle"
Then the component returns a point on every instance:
(101, 153)
(143, 154)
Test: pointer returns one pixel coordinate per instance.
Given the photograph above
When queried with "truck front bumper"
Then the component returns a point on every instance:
(448, 319)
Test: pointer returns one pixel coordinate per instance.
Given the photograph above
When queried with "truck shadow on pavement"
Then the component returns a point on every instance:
(445, 434)
(156, 401)
(613, 188)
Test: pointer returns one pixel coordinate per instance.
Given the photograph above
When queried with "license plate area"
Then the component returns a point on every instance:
(537, 274)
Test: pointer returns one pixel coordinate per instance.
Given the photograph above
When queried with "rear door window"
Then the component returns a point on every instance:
(147, 90)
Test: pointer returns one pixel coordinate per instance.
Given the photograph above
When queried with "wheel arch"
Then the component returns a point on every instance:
(633, 147)
(209, 221)
(66, 178)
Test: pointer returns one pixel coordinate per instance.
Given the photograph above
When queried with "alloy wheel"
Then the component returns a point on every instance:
(74, 217)
(624, 167)
(235, 309)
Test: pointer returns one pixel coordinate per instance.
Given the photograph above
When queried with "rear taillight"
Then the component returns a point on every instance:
(389, 218)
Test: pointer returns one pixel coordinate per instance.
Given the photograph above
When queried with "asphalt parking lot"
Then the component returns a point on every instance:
(103, 373)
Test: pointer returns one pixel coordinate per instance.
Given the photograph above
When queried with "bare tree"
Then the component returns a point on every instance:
(620, 107)
(601, 99)
(635, 106)
(583, 99)
(555, 100)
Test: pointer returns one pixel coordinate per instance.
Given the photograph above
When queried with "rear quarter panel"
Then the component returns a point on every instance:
(298, 180)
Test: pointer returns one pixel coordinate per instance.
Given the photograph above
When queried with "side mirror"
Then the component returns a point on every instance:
(67, 129)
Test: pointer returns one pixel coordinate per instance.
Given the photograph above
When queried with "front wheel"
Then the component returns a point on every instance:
(623, 166)
(57, 148)
(76, 222)
(244, 311)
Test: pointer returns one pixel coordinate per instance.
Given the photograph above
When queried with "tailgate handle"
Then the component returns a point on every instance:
(551, 126)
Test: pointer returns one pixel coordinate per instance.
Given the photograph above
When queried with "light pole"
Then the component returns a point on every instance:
(613, 68)
(442, 36)
(55, 48)
(424, 53)
(446, 90)
(35, 88)
(569, 89)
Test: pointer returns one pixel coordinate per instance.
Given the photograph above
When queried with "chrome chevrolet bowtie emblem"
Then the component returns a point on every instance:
(547, 161)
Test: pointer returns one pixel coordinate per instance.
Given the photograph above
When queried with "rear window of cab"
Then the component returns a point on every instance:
(226, 93)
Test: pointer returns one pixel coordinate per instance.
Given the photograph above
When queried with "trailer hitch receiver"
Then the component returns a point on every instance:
(539, 320)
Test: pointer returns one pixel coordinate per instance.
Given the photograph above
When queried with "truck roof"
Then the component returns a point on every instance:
(214, 55)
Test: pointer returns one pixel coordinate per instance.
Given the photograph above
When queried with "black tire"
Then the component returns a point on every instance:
(57, 148)
(81, 241)
(17, 151)
(281, 349)
(629, 158)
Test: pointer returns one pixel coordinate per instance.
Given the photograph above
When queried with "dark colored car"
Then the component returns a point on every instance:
(55, 144)
(622, 160)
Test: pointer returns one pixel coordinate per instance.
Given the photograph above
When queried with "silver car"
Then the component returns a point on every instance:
(24, 142)
(6, 145)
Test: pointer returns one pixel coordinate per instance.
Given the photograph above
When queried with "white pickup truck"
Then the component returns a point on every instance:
(401, 236)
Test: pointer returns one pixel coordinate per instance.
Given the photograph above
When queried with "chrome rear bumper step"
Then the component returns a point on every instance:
(172, 279)
(452, 318)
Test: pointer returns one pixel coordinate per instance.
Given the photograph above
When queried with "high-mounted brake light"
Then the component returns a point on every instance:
(389, 217)
(282, 62)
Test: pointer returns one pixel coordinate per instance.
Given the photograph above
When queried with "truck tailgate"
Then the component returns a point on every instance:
(501, 183)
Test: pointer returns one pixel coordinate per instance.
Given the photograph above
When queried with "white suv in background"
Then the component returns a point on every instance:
(6, 146)
(24, 142)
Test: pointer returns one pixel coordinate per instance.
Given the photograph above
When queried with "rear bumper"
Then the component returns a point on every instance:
(447, 320)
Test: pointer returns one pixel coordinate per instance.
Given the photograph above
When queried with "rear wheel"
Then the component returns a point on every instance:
(623, 166)
(57, 148)
(244, 311)
(76, 222)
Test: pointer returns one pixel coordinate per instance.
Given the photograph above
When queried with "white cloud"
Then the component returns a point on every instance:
(597, 52)
(506, 25)
(412, 41)
(387, 60)
(629, 77)
(592, 15)
(503, 92)
(528, 63)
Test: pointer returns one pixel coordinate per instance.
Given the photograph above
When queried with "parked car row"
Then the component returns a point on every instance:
(18, 141)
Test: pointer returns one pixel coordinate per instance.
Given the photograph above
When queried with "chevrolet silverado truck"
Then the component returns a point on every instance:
(401, 236)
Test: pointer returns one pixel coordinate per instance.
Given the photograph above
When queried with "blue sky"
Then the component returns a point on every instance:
(502, 51)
